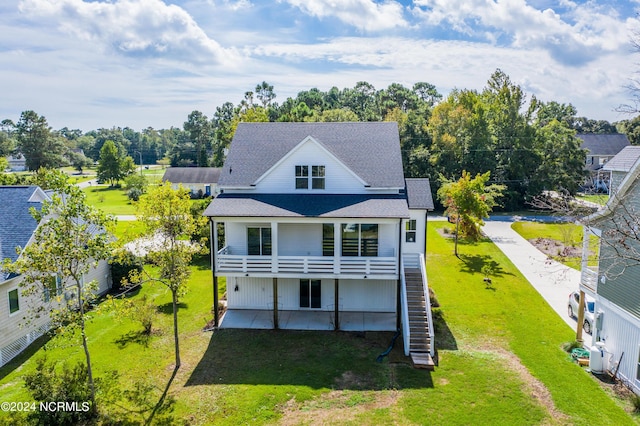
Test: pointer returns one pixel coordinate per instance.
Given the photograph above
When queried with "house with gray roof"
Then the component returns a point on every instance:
(17, 227)
(322, 231)
(601, 148)
(198, 180)
(614, 283)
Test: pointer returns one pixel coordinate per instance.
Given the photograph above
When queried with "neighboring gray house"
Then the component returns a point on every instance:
(322, 231)
(195, 179)
(601, 148)
(615, 282)
(16, 230)
(620, 165)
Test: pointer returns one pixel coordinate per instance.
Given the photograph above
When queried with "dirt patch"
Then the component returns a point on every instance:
(555, 248)
(338, 406)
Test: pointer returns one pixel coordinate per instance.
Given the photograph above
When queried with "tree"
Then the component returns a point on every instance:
(40, 147)
(199, 129)
(79, 161)
(165, 213)
(264, 92)
(468, 201)
(71, 238)
(114, 164)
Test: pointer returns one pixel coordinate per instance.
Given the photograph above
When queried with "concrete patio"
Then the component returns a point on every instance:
(309, 320)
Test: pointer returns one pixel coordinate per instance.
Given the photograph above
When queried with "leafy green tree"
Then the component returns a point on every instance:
(468, 201)
(72, 237)
(265, 93)
(199, 129)
(166, 216)
(40, 147)
(79, 161)
(222, 123)
(114, 164)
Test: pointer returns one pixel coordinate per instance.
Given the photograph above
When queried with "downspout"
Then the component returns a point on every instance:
(426, 222)
(399, 284)
(212, 243)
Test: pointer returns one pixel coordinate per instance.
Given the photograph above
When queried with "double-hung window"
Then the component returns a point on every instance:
(317, 177)
(410, 231)
(259, 241)
(52, 288)
(302, 177)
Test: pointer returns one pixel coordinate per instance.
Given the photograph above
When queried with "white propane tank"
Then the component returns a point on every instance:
(596, 358)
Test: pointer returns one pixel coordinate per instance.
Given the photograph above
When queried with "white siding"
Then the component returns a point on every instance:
(12, 326)
(418, 245)
(338, 179)
(300, 239)
(102, 275)
(368, 295)
(252, 293)
(620, 333)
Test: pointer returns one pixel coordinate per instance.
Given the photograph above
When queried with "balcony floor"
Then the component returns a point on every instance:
(309, 320)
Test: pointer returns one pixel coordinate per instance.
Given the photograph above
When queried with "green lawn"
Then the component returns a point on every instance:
(595, 198)
(562, 234)
(110, 200)
(500, 360)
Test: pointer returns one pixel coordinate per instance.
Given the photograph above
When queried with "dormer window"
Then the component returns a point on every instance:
(316, 177)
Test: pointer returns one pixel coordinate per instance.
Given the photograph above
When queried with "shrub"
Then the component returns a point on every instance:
(136, 181)
(134, 194)
(121, 267)
(46, 385)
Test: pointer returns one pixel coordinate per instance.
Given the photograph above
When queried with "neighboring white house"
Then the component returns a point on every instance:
(615, 282)
(17, 163)
(198, 180)
(601, 148)
(322, 231)
(16, 230)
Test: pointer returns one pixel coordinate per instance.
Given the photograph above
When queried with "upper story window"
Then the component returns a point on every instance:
(259, 241)
(359, 239)
(52, 287)
(317, 177)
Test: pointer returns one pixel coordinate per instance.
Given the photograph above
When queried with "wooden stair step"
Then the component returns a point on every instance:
(422, 360)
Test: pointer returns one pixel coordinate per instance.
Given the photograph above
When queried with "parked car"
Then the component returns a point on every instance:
(589, 308)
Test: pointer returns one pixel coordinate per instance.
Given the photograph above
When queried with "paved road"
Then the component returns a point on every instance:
(553, 280)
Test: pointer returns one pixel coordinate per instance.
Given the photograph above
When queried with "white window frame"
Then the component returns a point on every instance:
(411, 228)
(314, 176)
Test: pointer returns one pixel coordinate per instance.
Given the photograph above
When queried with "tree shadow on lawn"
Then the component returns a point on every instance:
(139, 337)
(472, 264)
(167, 308)
(317, 359)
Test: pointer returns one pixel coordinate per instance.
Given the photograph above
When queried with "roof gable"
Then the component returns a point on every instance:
(318, 151)
(370, 150)
(16, 223)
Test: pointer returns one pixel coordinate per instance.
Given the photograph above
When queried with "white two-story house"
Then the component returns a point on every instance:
(322, 231)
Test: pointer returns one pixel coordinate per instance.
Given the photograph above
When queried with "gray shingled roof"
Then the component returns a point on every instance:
(605, 145)
(191, 175)
(370, 149)
(419, 193)
(308, 205)
(16, 223)
(624, 160)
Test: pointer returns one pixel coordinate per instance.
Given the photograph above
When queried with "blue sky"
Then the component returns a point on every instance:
(140, 63)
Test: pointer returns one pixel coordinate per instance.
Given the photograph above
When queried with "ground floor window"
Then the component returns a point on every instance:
(310, 294)
(14, 303)
(52, 288)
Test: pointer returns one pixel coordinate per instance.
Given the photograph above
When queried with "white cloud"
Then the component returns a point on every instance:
(573, 36)
(365, 15)
(147, 28)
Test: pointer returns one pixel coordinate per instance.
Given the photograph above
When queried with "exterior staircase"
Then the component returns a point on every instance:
(420, 343)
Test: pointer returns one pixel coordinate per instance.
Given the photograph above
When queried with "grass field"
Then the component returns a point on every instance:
(565, 234)
(500, 360)
(110, 200)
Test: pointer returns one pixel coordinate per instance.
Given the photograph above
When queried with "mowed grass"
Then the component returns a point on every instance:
(500, 360)
(568, 234)
(112, 201)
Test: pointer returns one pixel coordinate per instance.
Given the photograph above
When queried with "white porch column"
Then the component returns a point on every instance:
(337, 246)
(274, 247)
(214, 242)
(585, 247)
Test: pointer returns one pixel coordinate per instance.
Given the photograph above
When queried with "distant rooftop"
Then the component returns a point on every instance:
(191, 175)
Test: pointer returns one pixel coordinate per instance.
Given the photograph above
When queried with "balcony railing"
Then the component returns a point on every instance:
(589, 279)
(325, 265)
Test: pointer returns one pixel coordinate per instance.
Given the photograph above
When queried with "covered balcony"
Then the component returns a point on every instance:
(318, 250)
